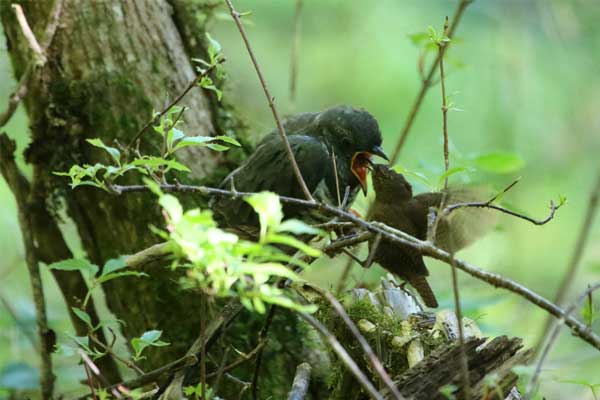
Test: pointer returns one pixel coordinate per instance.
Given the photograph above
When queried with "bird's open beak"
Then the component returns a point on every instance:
(361, 163)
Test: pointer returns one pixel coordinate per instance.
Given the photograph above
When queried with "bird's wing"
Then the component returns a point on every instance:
(269, 168)
(464, 225)
(400, 259)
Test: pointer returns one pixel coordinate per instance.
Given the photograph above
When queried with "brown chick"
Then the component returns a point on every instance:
(396, 207)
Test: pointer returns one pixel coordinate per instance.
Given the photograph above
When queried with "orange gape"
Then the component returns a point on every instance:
(359, 165)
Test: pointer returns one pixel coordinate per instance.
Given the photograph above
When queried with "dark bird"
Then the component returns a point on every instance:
(349, 135)
(396, 206)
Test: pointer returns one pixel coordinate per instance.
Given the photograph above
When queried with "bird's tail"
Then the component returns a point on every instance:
(422, 286)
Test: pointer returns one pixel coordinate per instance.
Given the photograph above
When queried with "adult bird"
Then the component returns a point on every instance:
(396, 206)
(340, 139)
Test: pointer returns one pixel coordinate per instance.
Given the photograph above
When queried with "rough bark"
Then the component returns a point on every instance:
(110, 64)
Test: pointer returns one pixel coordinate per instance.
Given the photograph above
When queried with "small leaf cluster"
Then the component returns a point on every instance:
(215, 58)
(168, 127)
(224, 265)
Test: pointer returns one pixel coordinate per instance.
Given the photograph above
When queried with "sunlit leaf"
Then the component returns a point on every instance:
(75, 264)
(499, 162)
(114, 153)
(82, 315)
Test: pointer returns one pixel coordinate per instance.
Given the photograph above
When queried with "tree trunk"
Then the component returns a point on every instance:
(111, 64)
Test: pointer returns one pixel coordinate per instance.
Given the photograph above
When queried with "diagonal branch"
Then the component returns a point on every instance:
(343, 355)
(290, 154)
(397, 236)
(375, 362)
(40, 51)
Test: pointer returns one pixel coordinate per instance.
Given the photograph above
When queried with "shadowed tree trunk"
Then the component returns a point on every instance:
(111, 64)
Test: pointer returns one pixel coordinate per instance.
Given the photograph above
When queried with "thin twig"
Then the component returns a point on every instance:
(400, 237)
(244, 358)
(262, 337)
(572, 268)
(343, 355)
(553, 336)
(203, 347)
(290, 154)
(34, 45)
(295, 50)
(22, 87)
(301, 382)
(46, 335)
(173, 103)
(373, 251)
(110, 351)
(553, 208)
(464, 362)
(373, 360)
(426, 84)
(215, 327)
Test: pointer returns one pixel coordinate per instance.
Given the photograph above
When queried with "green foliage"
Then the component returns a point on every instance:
(224, 265)
(196, 392)
(148, 339)
(215, 58)
(109, 272)
(587, 311)
(103, 176)
(499, 162)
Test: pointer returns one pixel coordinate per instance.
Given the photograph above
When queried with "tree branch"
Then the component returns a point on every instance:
(374, 361)
(571, 271)
(343, 355)
(40, 51)
(301, 382)
(47, 337)
(173, 103)
(464, 363)
(236, 17)
(403, 238)
(552, 338)
(426, 84)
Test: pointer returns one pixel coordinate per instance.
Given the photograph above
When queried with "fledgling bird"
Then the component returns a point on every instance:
(396, 206)
(350, 135)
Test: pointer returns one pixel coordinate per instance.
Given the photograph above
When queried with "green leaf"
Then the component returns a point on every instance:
(499, 162)
(171, 206)
(214, 48)
(115, 275)
(228, 139)
(114, 153)
(82, 315)
(298, 227)
(154, 163)
(293, 242)
(450, 172)
(173, 136)
(419, 38)
(417, 175)
(76, 264)
(193, 141)
(587, 312)
(149, 338)
(217, 147)
(268, 208)
(114, 264)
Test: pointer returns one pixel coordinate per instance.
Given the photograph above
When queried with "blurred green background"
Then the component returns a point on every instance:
(526, 76)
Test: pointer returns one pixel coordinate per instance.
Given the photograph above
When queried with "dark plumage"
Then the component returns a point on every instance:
(351, 134)
(396, 207)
